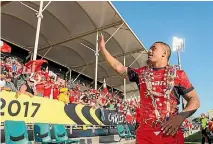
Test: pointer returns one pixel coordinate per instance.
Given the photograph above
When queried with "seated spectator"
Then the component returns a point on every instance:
(2, 80)
(55, 91)
(14, 67)
(93, 101)
(52, 74)
(44, 72)
(21, 80)
(84, 99)
(73, 96)
(8, 64)
(40, 87)
(28, 88)
(48, 87)
(111, 105)
(121, 107)
(9, 86)
(108, 102)
(63, 96)
(129, 117)
(102, 101)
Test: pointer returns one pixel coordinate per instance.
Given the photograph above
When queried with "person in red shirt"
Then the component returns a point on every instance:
(160, 86)
(43, 72)
(47, 88)
(20, 69)
(55, 91)
(40, 87)
(92, 101)
(128, 117)
(103, 101)
(8, 63)
(121, 108)
(73, 97)
(211, 125)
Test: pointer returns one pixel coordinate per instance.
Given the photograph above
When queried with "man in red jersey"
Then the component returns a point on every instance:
(160, 87)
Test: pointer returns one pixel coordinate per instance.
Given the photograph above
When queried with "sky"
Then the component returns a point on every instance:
(160, 21)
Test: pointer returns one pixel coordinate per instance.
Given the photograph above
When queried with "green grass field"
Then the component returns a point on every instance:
(194, 138)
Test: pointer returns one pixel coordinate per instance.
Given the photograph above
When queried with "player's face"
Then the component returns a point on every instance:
(155, 52)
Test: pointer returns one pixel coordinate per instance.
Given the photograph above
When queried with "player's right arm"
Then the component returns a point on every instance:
(114, 63)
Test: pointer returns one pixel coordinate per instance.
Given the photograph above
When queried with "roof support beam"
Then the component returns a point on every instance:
(83, 34)
(116, 56)
(114, 33)
(135, 59)
(29, 7)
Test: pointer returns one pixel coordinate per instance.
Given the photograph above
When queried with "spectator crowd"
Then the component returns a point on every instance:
(35, 79)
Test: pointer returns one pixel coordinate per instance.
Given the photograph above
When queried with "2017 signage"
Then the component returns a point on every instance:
(15, 111)
(32, 109)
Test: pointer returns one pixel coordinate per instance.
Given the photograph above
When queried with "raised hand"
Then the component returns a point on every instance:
(101, 43)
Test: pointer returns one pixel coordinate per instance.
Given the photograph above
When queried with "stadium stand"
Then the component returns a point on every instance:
(35, 80)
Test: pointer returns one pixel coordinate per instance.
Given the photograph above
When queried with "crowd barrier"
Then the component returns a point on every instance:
(43, 110)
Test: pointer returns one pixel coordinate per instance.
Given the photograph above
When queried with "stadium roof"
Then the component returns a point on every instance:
(66, 28)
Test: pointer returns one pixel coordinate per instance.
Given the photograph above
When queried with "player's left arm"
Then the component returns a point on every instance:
(188, 92)
(193, 103)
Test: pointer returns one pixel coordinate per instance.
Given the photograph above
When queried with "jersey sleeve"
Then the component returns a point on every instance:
(132, 75)
(184, 85)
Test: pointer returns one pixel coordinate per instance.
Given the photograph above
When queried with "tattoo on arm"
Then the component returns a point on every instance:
(187, 113)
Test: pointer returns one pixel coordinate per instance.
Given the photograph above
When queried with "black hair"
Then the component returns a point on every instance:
(165, 44)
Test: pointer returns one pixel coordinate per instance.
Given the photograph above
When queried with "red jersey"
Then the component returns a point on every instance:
(74, 96)
(40, 88)
(72, 99)
(182, 86)
(44, 73)
(55, 92)
(8, 67)
(47, 89)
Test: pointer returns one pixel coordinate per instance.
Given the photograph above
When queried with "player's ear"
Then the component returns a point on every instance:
(165, 53)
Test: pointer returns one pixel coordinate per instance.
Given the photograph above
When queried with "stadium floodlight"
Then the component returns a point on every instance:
(178, 45)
